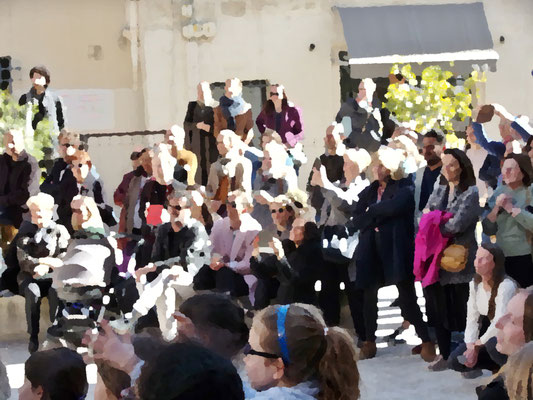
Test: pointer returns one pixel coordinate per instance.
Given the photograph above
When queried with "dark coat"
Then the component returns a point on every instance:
(362, 125)
(61, 185)
(384, 257)
(200, 142)
(14, 189)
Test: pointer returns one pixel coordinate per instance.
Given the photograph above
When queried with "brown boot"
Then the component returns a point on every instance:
(427, 352)
(416, 350)
(368, 350)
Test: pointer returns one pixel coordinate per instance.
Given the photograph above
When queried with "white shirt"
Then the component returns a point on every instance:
(478, 305)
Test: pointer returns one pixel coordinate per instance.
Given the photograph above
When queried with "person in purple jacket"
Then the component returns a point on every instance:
(282, 116)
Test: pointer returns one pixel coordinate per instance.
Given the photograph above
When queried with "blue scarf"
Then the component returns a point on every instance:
(231, 108)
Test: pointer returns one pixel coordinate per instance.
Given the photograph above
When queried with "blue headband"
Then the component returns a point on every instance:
(282, 336)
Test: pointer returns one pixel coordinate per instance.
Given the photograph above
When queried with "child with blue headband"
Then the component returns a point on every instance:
(293, 355)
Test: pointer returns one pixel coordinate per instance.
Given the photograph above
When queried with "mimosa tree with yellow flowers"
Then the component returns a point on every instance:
(431, 102)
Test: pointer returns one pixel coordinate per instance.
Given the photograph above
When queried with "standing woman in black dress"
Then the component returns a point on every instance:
(199, 131)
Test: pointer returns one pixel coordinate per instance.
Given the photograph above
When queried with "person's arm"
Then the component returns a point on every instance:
(472, 317)
(26, 262)
(245, 169)
(489, 224)
(495, 148)
(192, 162)
(261, 122)
(122, 190)
(243, 266)
(59, 114)
(465, 215)
(401, 203)
(249, 126)
(296, 132)
(506, 291)
(199, 253)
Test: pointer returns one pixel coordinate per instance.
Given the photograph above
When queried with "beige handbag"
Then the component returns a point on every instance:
(454, 258)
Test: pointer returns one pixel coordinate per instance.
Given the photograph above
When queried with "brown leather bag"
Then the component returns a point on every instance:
(454, 258)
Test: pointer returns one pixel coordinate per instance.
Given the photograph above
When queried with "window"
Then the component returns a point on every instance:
(5, 73)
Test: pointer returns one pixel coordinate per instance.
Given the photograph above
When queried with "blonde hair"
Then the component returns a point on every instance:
(95, 220)
(361, 157)
(519, 374)
(42, 200)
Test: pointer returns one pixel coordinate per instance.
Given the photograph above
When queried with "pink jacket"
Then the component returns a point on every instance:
(429, 245)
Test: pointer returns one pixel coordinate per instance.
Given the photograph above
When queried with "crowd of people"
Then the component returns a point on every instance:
(222, 279)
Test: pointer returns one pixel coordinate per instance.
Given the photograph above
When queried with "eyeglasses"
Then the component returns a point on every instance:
(249, 351)
(280, 210)
(274, 94)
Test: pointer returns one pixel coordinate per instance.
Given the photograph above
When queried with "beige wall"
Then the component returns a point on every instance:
(58, 33)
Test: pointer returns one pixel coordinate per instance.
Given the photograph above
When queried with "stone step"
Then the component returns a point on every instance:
(13, 318)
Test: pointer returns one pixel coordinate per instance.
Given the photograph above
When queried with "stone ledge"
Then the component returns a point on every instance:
(13, 318)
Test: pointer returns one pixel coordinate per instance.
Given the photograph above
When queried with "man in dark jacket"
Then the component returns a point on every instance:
(15, 175)
(49, 104)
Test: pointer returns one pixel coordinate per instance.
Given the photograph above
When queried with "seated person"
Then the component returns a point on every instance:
(88, 183)
(231, 172)
(232, 240)
(38, 244)
(54, 374)
(181, 248)
(514, 330)
(490, 291)
(83, 277)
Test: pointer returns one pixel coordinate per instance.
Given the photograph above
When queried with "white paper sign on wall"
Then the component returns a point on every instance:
(89, 109)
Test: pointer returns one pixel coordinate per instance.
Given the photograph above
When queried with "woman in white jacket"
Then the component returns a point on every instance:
(490, 291)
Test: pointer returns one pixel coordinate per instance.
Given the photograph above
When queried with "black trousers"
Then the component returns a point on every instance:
(520, 268)
(33, 291)
(408, 306)
(446, 310)
(488, 358)
(329, 298)
(224, 280)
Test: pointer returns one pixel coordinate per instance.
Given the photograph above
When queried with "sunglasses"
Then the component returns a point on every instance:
(67, 145)
(279, 210)
(274, 94)
(249, 351)
(177, 208)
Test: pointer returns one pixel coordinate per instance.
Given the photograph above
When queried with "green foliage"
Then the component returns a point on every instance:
(14, 116)
(433, 102)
